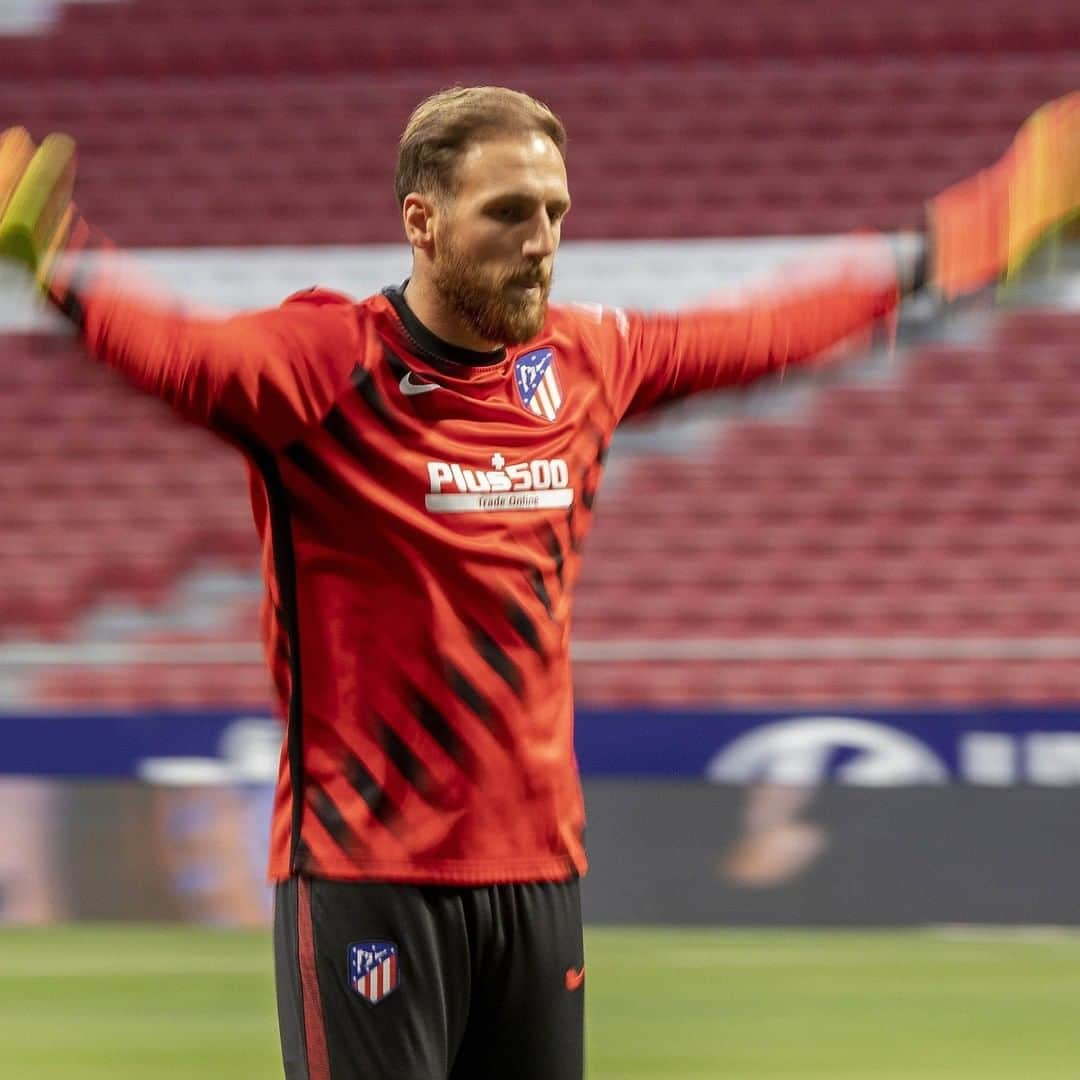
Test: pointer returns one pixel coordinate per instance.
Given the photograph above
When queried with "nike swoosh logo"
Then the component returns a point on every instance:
(411, 389)
(574, 978)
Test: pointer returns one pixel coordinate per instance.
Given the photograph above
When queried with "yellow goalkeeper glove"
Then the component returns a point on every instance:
(36, 212)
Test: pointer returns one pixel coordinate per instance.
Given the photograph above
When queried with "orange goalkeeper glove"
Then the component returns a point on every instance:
(985, 228)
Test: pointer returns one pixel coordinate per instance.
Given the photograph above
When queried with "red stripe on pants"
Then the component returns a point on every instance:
(314, 1033)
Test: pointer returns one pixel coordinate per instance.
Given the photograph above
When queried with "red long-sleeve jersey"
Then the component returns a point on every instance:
(422, 509)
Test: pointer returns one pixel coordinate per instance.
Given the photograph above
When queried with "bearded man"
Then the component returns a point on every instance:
(424, 464)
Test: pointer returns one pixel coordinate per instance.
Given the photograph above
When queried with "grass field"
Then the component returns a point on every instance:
(141, 1002)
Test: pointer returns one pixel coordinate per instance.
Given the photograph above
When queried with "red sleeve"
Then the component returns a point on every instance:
(662, 357)
(263, 376)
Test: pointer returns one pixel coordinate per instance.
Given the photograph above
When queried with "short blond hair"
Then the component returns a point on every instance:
(443, 126)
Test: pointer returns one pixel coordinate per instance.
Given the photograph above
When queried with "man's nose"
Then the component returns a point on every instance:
(541, 242)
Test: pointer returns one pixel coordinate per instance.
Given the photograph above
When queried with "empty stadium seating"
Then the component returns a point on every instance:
(941, 506)
(103, 493)
(194, 36)
(211, 124)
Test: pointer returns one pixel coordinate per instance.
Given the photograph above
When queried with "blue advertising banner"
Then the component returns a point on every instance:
(188, 747)
(866, 748)
(859, 747)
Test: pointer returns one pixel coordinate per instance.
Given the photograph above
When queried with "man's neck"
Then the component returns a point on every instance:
(426, 304)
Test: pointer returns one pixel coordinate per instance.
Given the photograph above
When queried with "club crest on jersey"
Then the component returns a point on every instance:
(373, 969)
(537, 383)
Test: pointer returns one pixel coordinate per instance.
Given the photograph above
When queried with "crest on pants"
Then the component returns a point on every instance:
(373, 969)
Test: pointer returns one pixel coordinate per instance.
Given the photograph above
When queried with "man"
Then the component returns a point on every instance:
(423, 470)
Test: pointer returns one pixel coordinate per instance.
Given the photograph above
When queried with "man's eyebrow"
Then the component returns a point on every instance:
(524, 197)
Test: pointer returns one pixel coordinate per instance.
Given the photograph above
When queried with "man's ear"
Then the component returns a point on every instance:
(418, 214)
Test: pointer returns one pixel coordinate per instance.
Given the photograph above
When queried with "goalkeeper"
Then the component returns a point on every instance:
(424, 466)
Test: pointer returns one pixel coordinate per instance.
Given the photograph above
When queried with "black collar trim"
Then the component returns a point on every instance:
(431, 346)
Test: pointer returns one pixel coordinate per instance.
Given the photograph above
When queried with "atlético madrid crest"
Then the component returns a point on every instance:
(538, 384)
(373, 969)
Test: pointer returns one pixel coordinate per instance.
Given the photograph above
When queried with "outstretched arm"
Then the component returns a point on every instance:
(662, 357)
(259, 377)
(264, 376)
(978, 231)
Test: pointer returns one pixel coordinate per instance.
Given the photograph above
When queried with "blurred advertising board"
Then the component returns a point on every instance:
(845, 817)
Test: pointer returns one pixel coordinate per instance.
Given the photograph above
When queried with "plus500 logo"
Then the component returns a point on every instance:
(528, 485)
(539, 475)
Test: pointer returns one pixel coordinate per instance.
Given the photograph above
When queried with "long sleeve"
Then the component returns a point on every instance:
(663, 357)
(262, 377)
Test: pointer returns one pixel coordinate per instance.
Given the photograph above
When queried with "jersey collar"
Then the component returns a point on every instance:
(433, 347)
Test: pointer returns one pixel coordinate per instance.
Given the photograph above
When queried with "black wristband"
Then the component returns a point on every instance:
(921, 269)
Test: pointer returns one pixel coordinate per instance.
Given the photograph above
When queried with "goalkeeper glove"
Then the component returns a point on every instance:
(986, 227)
(39, 224)
(36, 212)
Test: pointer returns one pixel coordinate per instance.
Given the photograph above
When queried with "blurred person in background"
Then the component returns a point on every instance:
(33, 883)
(424, 464)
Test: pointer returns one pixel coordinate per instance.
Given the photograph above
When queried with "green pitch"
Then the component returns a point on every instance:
(134, 1002)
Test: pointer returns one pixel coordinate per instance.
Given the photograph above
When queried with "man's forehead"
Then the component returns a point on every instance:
(529, 162)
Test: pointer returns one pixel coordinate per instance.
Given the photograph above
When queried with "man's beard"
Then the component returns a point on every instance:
(488, 303)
